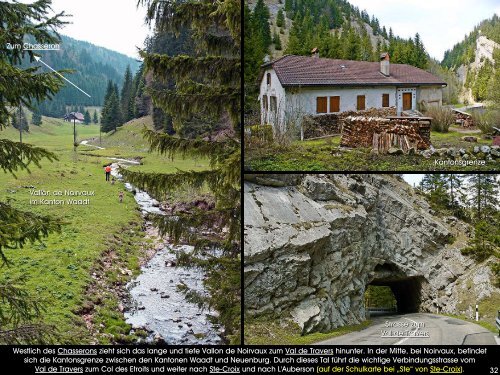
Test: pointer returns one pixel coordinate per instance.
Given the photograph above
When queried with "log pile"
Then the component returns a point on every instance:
(331, 124)
(322, 125)
(383, 134)
(464, 119)
(384, 142)
(372, 112)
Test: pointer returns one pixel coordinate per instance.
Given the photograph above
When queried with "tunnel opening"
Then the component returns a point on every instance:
(406, 290)
(380, 300)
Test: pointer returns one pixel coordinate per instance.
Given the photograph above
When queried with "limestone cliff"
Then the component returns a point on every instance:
(314, 242)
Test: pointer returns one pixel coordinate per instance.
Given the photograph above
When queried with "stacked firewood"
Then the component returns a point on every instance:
(464, 119)
(372, 112)
(322, 125)
(331, 123)
(382, 134)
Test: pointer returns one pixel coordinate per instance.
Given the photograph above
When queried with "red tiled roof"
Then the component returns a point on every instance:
(311, 71)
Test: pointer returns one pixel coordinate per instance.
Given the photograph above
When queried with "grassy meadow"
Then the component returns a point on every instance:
(326, 154)
(100, 243)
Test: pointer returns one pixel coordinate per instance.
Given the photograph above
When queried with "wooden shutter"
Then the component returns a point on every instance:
(321, 104)
(334, 103)
(385, 100)
(361, 102)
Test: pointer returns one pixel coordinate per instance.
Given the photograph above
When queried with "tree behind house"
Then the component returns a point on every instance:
(111, 110)
(86, 118)
(36, 118)
(127, 97)
(19, 120)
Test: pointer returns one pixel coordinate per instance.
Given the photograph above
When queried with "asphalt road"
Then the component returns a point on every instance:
(416, 329)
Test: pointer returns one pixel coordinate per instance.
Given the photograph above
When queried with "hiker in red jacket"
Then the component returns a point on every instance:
(108, 171)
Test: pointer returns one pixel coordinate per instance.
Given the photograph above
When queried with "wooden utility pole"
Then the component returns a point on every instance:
(20, 123)
(74, 133)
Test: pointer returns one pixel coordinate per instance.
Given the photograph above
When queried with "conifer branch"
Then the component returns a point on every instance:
(17, 309)
(224, 70)
(41, 334)
(160, 184)
(191, 97)
(22, 86)
(197, 148)
(188, 226)
(22, 227)
(16, 156)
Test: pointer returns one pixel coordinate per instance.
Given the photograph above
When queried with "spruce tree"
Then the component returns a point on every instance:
(456, 194)
(111, 110)
(435, 187)
(126, 102)
(483, 195)
(277, 41)
(18, 310)
(19, 120)
(207, 84)
(483, 201)
(86, 118)
(36, 118)
(261, 17)
(280, 18)
(96, 118)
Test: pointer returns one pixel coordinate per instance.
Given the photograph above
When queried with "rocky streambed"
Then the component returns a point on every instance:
(156, 303)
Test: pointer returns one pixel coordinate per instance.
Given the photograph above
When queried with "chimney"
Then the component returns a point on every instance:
(385, 64)
(315, 52)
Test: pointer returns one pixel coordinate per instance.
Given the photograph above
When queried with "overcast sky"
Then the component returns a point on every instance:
(440, 23)
(114, 24)
(413, 179)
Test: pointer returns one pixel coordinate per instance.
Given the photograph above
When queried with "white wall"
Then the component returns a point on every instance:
(274, 89)
(348, 97)
(430, 96)
(399, 99)
(294, 103)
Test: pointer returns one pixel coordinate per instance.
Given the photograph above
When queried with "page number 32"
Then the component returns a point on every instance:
(493, 370)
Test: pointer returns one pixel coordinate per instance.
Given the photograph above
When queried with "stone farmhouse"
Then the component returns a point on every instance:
(294, 86)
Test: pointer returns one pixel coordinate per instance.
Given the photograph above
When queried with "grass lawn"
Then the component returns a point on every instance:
(128, 142)
(262, 332)
(325, 154)
(58, 269)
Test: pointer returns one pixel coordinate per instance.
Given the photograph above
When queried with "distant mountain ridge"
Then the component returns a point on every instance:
(93, 66)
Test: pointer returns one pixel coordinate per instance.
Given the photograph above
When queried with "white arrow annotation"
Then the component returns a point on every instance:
(37, 58)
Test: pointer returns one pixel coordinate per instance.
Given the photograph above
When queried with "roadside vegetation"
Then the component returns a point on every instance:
(264, 332)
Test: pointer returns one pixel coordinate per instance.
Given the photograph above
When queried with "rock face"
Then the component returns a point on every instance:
(314, 242)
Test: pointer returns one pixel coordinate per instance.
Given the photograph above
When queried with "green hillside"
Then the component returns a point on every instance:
(58, 270)
(93, 66)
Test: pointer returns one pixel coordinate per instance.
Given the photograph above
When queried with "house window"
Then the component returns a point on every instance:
(361, 102)
(274, 105)
(268, 78)
(321, 104)
(264, 102)
(385, 100)
(334, 103)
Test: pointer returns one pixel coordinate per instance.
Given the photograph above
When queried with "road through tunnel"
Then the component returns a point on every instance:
(407, 290)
